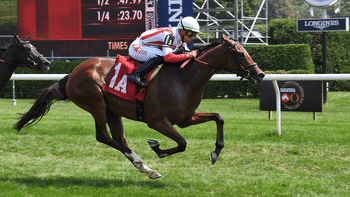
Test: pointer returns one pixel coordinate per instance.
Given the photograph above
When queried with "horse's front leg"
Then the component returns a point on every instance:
(200, 117)
(166, 128)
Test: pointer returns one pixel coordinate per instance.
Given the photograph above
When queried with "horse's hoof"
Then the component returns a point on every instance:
(213, 157)
(154, 175)
(162, 155)
(153, 143)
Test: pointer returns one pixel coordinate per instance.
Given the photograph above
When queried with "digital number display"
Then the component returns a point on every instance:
(116, 18)
(84, 27)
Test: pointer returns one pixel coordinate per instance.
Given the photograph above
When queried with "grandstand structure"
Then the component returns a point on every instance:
(215, 19)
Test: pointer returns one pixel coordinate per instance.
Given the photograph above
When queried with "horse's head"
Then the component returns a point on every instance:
(248, 69)
(23, 53)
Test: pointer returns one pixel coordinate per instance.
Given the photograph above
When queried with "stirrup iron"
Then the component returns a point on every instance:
(135, 78)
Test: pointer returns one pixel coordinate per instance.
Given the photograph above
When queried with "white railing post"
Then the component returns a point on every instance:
(278, 106)
(14, 102)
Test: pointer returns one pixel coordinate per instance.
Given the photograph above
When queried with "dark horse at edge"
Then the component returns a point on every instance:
(20, 53)
(171, 99)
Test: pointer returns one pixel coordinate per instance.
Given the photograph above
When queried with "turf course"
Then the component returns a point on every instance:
(60, 156)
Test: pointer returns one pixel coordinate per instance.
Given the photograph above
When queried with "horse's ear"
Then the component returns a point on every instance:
(16, 38)
(27, 39)
(225, 38)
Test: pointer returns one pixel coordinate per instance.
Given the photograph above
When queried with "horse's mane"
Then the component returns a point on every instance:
(4, 46)
(200, 50)
(2, 50)
(206, 47)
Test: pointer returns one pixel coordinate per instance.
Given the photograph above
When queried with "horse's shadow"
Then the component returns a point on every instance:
(65, 182)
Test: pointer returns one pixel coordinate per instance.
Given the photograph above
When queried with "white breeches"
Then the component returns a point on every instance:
(142, 52)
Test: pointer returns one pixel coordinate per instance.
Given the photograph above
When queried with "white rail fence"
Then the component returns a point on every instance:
(225, 77)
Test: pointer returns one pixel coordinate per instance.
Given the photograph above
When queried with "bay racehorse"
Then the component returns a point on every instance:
(171, 98)
(20, 53)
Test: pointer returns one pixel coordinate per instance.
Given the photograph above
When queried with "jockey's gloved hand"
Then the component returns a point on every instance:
(180, 50)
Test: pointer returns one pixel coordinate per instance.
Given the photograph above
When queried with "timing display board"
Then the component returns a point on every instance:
(85, 19)
(84, 27)
(115, 18)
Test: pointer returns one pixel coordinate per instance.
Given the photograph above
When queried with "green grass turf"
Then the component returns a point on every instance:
(60, 156)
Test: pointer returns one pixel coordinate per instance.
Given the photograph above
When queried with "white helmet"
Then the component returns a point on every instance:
(189, 23)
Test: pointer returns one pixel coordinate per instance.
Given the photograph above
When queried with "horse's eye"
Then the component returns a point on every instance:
(26, 48)
(240, 54)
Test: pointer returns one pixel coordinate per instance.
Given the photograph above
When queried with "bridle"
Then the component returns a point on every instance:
(244, 73)
(31, 62)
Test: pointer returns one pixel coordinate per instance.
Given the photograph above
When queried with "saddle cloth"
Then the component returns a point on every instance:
(118, 83)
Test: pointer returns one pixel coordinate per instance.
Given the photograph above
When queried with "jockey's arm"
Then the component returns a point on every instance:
(173, 58)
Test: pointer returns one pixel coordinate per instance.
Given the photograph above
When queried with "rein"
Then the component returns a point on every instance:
(243, 73)
(32, 64)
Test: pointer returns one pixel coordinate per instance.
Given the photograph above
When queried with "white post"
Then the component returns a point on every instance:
(52, 55)
(14, 102)
(278, 106)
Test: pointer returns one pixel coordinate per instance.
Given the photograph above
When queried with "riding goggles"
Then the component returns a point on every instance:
(191, 33)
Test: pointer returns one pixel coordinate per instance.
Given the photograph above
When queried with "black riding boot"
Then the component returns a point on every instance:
(145, 68)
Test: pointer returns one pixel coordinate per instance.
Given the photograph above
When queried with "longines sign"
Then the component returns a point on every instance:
(332, 24)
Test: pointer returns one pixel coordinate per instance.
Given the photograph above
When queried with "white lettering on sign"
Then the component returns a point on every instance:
(287, 90)
(121, 86)
(321, 24)
(117, 45)
(175, 7)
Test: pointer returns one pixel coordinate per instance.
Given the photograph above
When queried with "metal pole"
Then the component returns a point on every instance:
(267, 23)
(242, 18)
(236, 19)
(324, 57)
(324, 64)
(208, 23)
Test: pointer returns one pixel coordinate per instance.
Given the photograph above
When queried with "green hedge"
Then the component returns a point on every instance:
(284, 31)
(282, 57)
(8, 25)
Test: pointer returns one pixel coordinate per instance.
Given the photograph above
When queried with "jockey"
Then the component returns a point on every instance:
(157, 46)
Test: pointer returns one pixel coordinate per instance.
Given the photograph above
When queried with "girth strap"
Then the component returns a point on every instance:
(139, 107)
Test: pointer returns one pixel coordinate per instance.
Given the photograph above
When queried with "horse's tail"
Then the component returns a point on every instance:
(42, 105)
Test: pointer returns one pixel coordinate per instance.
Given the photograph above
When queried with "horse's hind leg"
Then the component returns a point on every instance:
(97, 108)
(116, 127)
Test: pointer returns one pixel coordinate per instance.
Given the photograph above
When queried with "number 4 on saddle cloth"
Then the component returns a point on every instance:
(118, 83)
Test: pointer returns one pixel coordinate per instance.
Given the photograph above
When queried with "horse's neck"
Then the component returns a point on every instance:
(2, 51)
(197, 74)
(6, 71)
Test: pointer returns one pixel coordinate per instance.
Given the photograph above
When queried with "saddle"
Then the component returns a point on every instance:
(119, 85)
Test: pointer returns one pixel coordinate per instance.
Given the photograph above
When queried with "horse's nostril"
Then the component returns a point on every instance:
(261, 75)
